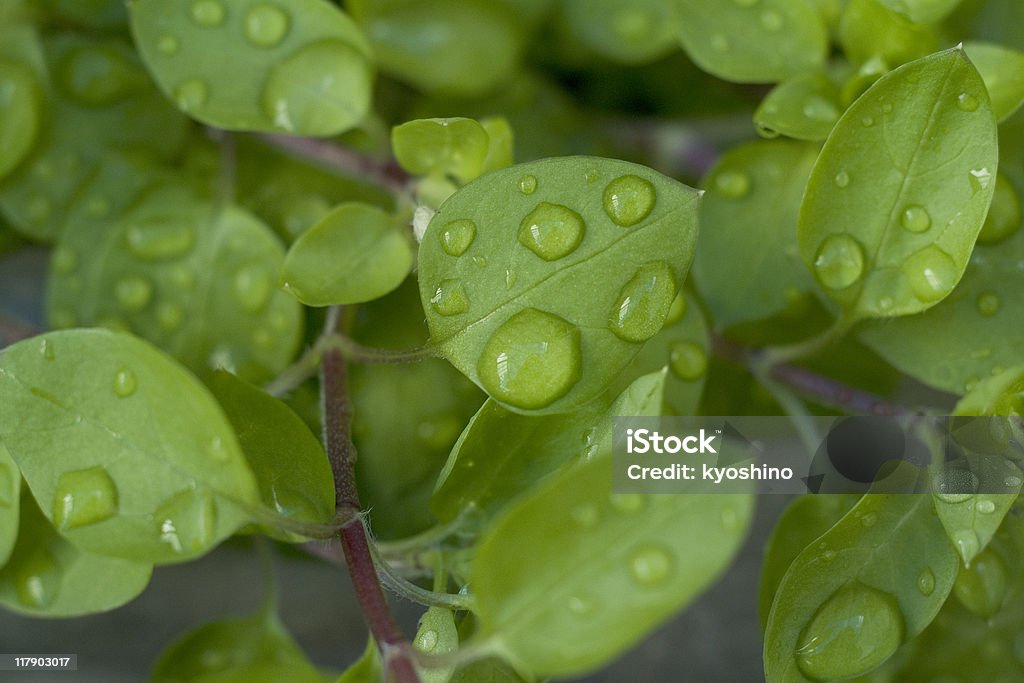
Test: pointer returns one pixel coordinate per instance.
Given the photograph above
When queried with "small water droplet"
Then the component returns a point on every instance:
(842, 180)
(191, 94)
(266, 25)
(46, 349)
(208, 13)
(125, 383)
(133, 293)
(854, 631)
(480, 262)
(967, 102)
(931, 273)
(510, 278)
(187, 521)
(967, 544)
(867, 121)
(650, 565)
(528, 184)
(643, 304)
(252, 288)
(980, 178)
(168, 45)
(720, 43)
(585, 515)
(457, 236)
(926, 582)
(818, 108)
(771, 21)
(84, 497)
(628, 200)
(886, 108)
(766, 131)
(531, 360)
(427, 641)
(628, 503)
(159, 239)
(169, 316)
(868, 520)
(688, 361)
(732, 184)
(581, 606)
(450, 298)
(216, 449)
(64, 260)
(551, 231)
(988, 304)
(839, 262)
(916, 218)
(37, 578)
(986, 506)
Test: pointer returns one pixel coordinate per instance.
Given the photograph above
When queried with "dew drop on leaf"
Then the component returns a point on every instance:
(817, 108)
(187, 521)
(37, 579)
(252, 288)
(688, 361)
(450, 298)
(208, 13)
(191, 94)
(988, 304)
(159, 240)
(979, 179)
(650, 565)
(457, 236)
(955, 485)
(916, 219)
(931, 273)
(84, 497)
(551, 231)
(842, 180)
(266, 25)
(125, 383)
(839, 262)
(133, 293)
(732, 184)
(986, 506)
(46, 349)
(168, 45)
(967, 544)
(580, 606)
(926, 582)
(628, 200)
(585, 515)
(528, 184)
(643, 304)
(967, 102)
(677, 310)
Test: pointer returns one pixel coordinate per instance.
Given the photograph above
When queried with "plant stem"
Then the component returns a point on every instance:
(358, 353)
(337, 417)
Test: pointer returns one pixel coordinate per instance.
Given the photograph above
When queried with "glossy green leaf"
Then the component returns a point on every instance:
(193, 278)
(300, 67)
(848, 601)
(571, 576)
(514, 275)
(10, 490)
(629, 32)
(356, 253)
(922, 11)
(254, 649)
(804, 107)
(870, 30)
(486, 671)
(500, 143)
(366, 669)
(979, 325)
(501, 454)
(455, 147)
(750, 42)
(890, 234)
(291, 468)
(128, 453)
(758, 184)
(20, 112)
(470, 45)
(1002, 69)
(802, 523)
(436, 635)
(46, 576)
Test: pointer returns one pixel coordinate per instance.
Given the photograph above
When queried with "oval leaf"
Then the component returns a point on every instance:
(804, 107)
(20, 111)
(634, 32)
(10, 492)
(128, 453)
(514, 275)
(456, 147)
(887, 235)
(922, 11)
(1002, 69)
(868, 30)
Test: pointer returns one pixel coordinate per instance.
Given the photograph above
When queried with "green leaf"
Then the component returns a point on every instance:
(366, 669)
(291, 468)
(254, 649)
(128, 453)
(804, 107)
(436, 635)
(848, 601)
(758, 184)
(46, 576)
(193, 278)
(870, 30)
(571, 576)
(634, 32)
(922, 11)
(750, 42)
(10, 490)
(514, 275)
(356, 253)
(803, 521)
(890, 234)
(489, 670)
(978, 325)
(455, 147)
(99, 14)
(304, 69)
(501, 454)
(471, 46)
(1002, 69)
(20, 112)
(500, 143)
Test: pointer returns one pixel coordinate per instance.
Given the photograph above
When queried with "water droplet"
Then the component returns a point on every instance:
(266, 25)
(719, 42)
(551, 231)
(168, 45)
(955, 485)
(986, 506)
(585, 515)
(818, 108)
(854, 631)
(510, 278)
(321, 90)
(867, 121)
(528, 184)
(252, 288)
(169, 316)
(208, 13)
(531, 360)
(480, 262)
(191, 94)
(37, 578)
(926, 582)
(159, 239)
(967, 102)
(886, 108)
(125, 383)
(868, 520)
(771, 21)
(916, 219)
(650, 565)
(981, 587)
(1012, 482)
(967, 544)
(46, 349)
(842, 180)
(580, 606)
(885, 303)
(988, 304)
(732, 184)
(216, 449)
(427, 641)
(839, 262)
(643, 303)
(931, 273)
(628, 200)
(457, 236)
(592, 177)
(187, 521)
(133, 293)
(628, 503)
(688, 361)
(64, 260)
(450, 298)
(980, 178)
(677, 310)
(84, 497)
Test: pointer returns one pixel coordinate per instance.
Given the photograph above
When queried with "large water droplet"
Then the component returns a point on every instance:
(979, 179)
(191, 94)
(839, 262)
(84, 497)
(208, 13)
(732, 184)
(321, 90)
(187, 521)
(37, 579)
(551, 231)
(967, 102)
(457, 236)
(266, 25)
(644, 302)
(125, 383)
(628, 200)
(854, 631)
(650, 565)
(450, 298)
(982, 586)
(158, 239)
(986, 506)
(252, 287)
(926, 582)
(133, 293)
(954, 485)
(531, 360)
(688, 361)
(64, 260)
(988, 304)
(528, 184)
(916, 219)
(426, 641)
(842, 180)
(931, 273)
